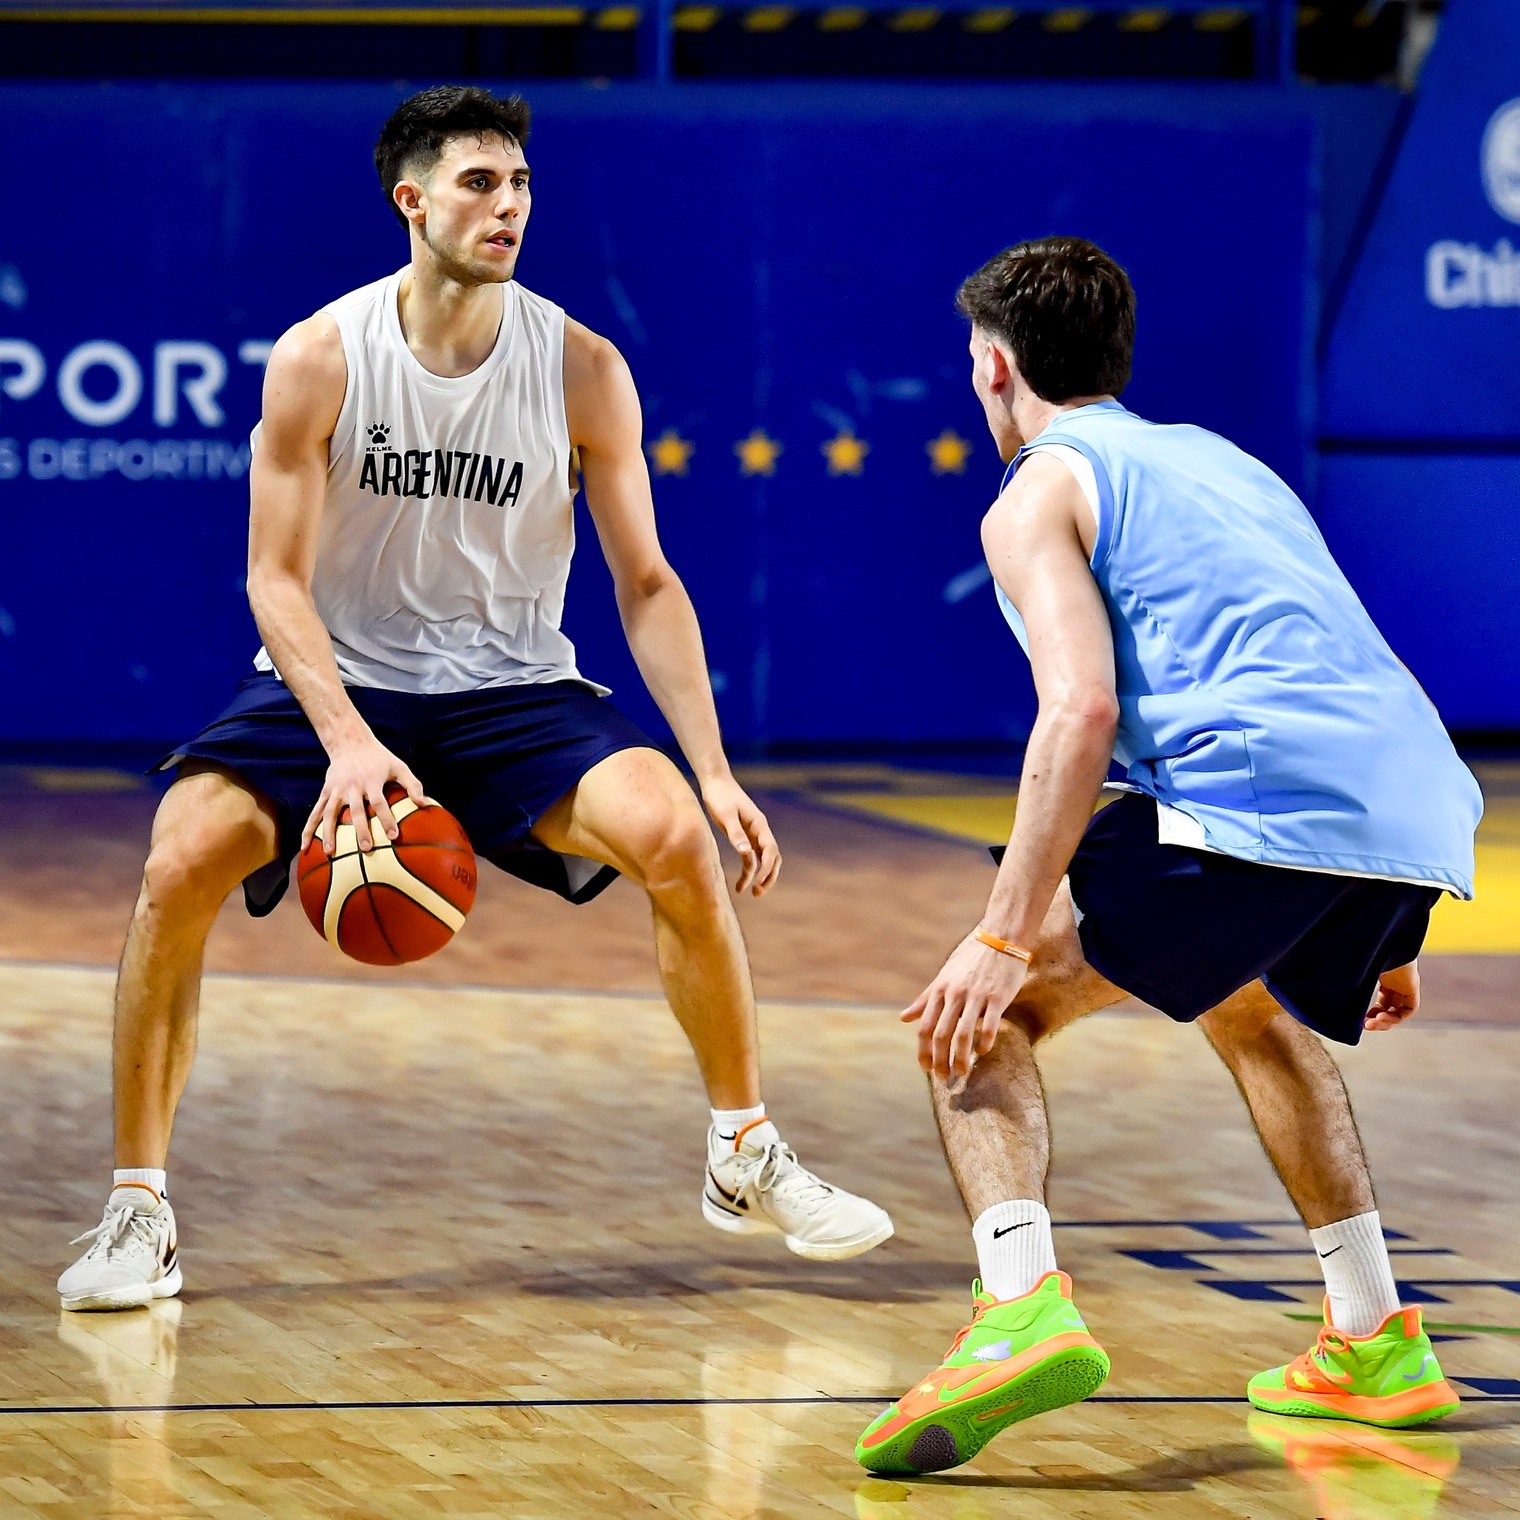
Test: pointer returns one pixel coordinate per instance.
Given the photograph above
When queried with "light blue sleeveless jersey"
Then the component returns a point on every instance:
(1255, 694)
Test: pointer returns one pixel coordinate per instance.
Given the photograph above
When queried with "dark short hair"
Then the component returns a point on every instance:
(1066, 311)
(414, 137)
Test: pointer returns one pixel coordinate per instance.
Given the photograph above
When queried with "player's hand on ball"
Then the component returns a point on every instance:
(744, 827)
(1397, 996)
(356, 778)
(958, 1013)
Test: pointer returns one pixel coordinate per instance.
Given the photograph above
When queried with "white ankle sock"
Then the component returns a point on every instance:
(729, 1121)
(150, 1176)
(1358, 1274)
(1014, 1248)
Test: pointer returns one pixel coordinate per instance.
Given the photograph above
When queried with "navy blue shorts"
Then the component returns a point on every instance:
(1183, 929)
(497, 759)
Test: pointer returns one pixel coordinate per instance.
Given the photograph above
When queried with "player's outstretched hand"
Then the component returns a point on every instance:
(356, 777)
(1398, 996)
(959, 1011)
(744, 827)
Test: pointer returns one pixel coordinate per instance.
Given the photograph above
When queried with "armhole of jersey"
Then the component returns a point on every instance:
(344, 427)
(555, 368)
(1088, 484)
(1106, 512)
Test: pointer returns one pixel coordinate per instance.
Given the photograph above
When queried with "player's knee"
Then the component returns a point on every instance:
(1247, 1023)
(1048, 1000)
(1027, 1018)
(195, 861)
(680, 856)
(176, 883)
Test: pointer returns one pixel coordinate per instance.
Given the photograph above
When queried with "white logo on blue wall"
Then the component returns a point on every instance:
(1501, 161)
(186, 373)
(1460, 274)
(100, 384)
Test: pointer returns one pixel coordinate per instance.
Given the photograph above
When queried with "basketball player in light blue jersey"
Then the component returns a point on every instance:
(1293, 809)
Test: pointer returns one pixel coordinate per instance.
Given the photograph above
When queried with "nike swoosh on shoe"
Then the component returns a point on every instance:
(727, 1196)
(726, 1200)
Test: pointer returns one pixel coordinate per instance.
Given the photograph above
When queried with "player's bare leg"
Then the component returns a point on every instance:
(1373, 1361)
(1298, 1102)
(635, 811)
(209, 833)
(1026, 1349)
(993, 1124)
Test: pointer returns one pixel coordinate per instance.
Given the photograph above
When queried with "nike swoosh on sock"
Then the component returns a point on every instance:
(1330, 1252)
(1010, 1228)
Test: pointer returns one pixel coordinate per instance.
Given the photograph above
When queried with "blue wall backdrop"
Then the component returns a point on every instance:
(778, 264)
(1426, 346)
(1420, 492)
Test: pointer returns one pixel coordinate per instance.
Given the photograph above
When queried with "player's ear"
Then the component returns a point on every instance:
(408, 198)
(1002, 368)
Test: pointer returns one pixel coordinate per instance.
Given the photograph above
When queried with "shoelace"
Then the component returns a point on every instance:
(1329, 1339)
(964, 1331)
(1317, 1359)
(778, 1167)
(113, 1230)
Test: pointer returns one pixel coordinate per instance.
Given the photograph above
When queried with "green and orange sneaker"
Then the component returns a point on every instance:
(1389, 1378)
(1017, 1358)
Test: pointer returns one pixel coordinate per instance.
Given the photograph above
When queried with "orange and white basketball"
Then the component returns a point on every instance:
(399, 902)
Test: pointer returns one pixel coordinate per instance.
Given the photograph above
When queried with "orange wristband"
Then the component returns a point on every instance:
(1005, 947)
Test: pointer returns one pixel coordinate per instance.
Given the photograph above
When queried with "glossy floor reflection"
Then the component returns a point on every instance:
(443, 1257)
(1358, 1473)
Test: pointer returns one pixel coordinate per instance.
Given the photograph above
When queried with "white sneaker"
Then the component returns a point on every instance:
(755, 1183)
(133, 1256)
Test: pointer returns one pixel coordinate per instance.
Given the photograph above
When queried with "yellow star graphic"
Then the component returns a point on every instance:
(948, 453)
(846, 453)
(757, 453)
(670, 453)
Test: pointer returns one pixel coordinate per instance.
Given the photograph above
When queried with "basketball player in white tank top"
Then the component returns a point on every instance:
(409, 544)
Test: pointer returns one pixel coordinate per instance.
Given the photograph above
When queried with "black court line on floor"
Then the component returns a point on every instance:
(695, 1403)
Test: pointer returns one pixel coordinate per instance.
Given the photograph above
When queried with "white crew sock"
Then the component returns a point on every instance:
(150, 1176)
(1358, 1274)
(1014, 1248)
(729, 1121)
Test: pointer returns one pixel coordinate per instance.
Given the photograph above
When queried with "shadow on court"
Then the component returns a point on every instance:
(910, 1283)
(1168, 1475)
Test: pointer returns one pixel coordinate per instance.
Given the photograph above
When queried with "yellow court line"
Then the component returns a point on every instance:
(1489, 925)
(986, 819)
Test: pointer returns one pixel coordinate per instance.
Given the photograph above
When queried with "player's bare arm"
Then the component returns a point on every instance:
(606, 426)
(303, 394)
(1033, 538)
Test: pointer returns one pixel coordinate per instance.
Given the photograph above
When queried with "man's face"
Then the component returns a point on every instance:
(474, 205)
(992, 380)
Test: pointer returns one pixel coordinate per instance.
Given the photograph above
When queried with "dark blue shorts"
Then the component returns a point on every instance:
(497, 759)
(1183, 929)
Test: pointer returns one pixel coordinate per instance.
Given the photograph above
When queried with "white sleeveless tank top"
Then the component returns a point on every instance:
(448, 530)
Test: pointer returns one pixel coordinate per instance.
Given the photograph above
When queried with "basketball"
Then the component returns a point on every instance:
(399, 902)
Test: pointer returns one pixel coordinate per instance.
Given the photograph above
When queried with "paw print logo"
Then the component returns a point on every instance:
(379, 435)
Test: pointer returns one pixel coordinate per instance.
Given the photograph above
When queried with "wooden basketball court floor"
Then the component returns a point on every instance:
(443, 1254)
